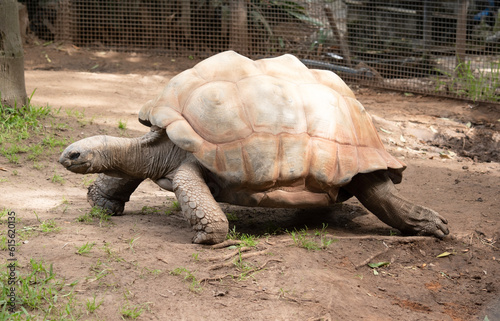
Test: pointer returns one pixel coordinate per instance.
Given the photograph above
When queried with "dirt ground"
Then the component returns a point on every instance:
(451, 148)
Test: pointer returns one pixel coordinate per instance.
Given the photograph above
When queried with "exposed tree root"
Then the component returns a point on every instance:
(231, 263)
(226, 243)
(218, 278)
(397, 239)
(229, 255)
(384, 238)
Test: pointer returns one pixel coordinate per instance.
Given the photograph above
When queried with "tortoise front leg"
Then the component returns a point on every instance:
(198, 205)
(111, 193)
(378, 194)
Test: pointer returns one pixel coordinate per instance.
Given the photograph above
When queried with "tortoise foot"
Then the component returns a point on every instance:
(96, 198)
(424, 221)
(202, 237)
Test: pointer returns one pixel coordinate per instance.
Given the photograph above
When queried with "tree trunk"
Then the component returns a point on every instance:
(12, 88)
(239, 27)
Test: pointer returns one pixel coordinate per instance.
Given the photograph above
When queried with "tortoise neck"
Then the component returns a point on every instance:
(137, 158)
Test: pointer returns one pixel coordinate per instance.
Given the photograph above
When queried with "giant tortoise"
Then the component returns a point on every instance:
(267, 133)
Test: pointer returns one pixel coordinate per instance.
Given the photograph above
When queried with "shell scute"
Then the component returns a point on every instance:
(226, 66)
(286, 67)
(216, 112)
(272, 105)
(179, 89)
(324, 162)
(230, 161)
(294, 156)
(333, 81)
(260, 152)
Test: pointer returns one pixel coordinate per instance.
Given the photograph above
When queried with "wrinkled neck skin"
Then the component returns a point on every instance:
(137, 158)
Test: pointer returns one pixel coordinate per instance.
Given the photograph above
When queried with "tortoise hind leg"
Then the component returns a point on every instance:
(378, 194)
(111, 193)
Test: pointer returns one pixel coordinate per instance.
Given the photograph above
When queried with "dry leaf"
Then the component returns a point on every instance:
(445, 254)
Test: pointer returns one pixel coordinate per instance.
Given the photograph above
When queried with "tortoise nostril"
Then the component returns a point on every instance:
(74, 155)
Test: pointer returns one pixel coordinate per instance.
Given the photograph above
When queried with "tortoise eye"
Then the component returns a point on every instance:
(74, 155)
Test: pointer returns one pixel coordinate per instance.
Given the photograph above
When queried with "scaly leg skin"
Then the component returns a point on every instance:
(378, 194)
(198, 205)
(111, 193)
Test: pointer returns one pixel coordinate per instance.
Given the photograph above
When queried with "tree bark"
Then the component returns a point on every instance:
(239, 27)
(12, 87)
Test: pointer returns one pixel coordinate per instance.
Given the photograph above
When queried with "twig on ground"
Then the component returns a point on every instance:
(226, 243)
(160, 259)
(365, 262)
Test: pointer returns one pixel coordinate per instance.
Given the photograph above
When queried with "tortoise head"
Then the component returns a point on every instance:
(89, 155)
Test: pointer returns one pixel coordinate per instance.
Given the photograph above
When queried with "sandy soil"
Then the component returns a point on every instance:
(451, 148)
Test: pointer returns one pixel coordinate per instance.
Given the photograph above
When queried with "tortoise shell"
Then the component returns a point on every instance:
(270, 122)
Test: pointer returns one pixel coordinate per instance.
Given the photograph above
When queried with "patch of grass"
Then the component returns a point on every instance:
(100, 213)
(315, 242)
(131, 243)
(100, 269)
(473, 84)
(3, 215)
(3, 243)
(122, 125)
(52, 141)
(149, 210)
(84, 249)
(176, 206)
(21, 120)
(231, 217)
(85, 218)
(131, 311)
(194, 285)
(247, 269)
(40, 294)
(35, 151)
(92, 305)
(112, 254)
(37, 165)
(58, 179)
(247, 239)
(17, 125)
(80, 117)
(301, 239)
(47, 226)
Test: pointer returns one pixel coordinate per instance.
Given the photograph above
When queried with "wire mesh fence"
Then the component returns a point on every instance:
(449, 47)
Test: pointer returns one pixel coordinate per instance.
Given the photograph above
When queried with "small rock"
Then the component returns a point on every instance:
(220, 293)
